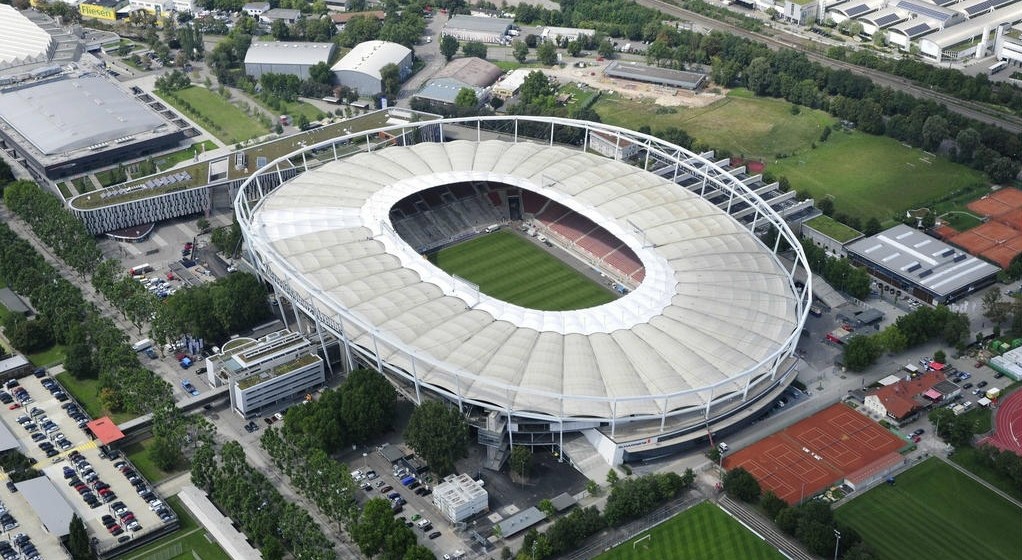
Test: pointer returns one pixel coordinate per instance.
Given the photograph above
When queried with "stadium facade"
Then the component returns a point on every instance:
(700, 345)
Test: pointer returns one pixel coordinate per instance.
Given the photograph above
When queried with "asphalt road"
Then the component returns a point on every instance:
(976, 111)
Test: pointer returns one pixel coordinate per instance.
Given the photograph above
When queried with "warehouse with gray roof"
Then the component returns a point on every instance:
(290, 58)
(655, 75)
(69, 125)
(920, 265)
(476, 28)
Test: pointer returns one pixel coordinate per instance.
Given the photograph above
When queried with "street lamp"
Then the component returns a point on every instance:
(838, 543)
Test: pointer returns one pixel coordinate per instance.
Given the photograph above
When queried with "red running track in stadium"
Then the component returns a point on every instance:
(1008, 424)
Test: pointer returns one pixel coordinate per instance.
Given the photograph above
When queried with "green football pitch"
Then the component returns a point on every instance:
(703, 532)
(515, 270)
(934, 511)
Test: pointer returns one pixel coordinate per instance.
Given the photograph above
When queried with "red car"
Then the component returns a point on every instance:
(386, 489)
(14, 406)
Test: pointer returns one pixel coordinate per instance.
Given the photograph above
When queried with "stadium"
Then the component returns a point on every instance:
(701, 318)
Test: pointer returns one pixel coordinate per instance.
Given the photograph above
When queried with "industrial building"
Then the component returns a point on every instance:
(291, 58)
(459, 497)
(360, 69)
(655, 75)
(926, 268)
(62, 126)
(471, 72)
(475, 28)
(266, 372)
(509, 85)
(286, 15)
(971, 39)
(565, 33)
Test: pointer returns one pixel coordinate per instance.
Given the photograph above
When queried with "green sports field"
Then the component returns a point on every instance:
(515, 270)
(872, 176)
(703, 532)
(934, 511)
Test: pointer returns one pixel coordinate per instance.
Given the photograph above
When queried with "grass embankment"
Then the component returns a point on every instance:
(86, 392)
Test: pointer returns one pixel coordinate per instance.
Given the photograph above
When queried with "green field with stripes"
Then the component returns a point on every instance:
(703, 532)
(514, 269)
(933, 511)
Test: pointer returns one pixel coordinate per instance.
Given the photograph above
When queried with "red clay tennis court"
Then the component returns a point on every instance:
(1000, 238)
(830, 446)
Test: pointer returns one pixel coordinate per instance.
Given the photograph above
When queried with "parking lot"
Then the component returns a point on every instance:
(103, 490)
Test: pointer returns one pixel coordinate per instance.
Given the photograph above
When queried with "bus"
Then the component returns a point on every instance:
(997, 67)
(140, 269)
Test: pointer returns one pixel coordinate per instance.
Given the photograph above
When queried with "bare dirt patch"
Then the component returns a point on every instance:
(592, 75)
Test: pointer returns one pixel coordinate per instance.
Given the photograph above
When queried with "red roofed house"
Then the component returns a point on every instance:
(900, 400)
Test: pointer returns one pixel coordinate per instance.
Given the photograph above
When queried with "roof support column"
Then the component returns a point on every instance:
(585, 139)
(322, 344)
(702, 188)
(415, 380)
(334, 146)
(479, 131)
(510, 436)
(376, 351)
(305, 163)
(347, 345)
(663, 414)
(516, 131)
(730, 200)
(708, 402)
(745, 392)
(551, 133)
(613, 420)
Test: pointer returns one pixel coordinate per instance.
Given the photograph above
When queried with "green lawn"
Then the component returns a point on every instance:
(833, 228)
(968, 458)
(50, 357)
(755, 127)
(873, 176)
(191, 538)
(86, 392)
(215, 114)
(293, 109)
(139, 454)
(934, 512)
(517, 271)
(703, 532)
(170, 160)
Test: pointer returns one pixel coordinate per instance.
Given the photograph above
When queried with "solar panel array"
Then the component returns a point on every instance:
(924, 10)
(917, 29)
(985, 6)
(887, 19)
(857, 10)
(179, 177)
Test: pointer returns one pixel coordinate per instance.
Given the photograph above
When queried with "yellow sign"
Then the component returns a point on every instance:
(98, 12)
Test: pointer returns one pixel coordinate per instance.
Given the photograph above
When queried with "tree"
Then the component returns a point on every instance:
(448, 47)
(439, 433)
(574, 47)
(772, 504)
(521, 460)
(520, 50)
(79, 362)
(605, 48)
(535, 87)
(993, 308)
(546, 53)
(860, 352)
(370, 530)
(390, 79)
(474, 48)
(872, 227)
(367, 404)
(78, 541)
(321, 73)
(466, 98)
(739, 483)
(166, 454)
(940, 357)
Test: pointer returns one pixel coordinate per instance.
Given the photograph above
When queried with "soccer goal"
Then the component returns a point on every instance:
(643, 540)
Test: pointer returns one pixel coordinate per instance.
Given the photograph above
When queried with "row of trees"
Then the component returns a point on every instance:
(273, 524)
(64, 233)
(1005, 463)
(908, 331)
(811, 523)
(360, 409)
(838, 272)
(630, 498)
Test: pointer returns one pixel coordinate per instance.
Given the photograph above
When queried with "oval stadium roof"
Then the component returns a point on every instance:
(714, 305)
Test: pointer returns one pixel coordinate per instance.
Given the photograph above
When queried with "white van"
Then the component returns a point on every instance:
(493, 228)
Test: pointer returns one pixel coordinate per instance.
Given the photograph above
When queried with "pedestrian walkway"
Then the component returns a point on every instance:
(763, 527)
